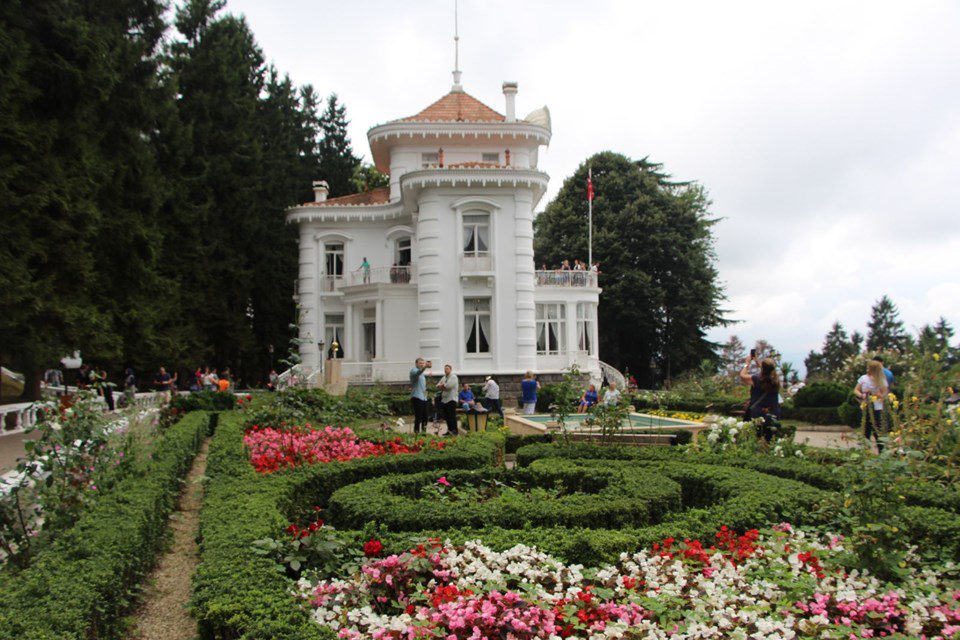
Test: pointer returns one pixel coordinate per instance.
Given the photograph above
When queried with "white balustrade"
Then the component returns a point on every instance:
(567, 278)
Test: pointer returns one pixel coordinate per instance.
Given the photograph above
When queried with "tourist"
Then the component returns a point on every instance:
(210, 380)
(106, 389)
(129, 387)
(273, 380)
(565, 265)
(83, 376)
(588, 399)
(224, 382)
(449, 386)
(165, 383)
(491, 396)
(872, 388)
(528, 393)
(54, 378)
(612, 395)
(418, 394)
(197, 384)
(365, 267)
(467, 400)
(886, 372)
(764, 393)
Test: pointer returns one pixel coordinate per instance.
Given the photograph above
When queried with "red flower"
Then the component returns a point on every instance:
(372, 547)
(443, 480)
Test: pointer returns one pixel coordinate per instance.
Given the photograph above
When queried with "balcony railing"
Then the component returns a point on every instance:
(383, 275)
(330, 283)
(567, 278)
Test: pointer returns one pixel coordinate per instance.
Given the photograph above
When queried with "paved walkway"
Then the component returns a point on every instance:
(11, 448)
(839, 439)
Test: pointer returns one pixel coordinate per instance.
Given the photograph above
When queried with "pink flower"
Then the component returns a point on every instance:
(443, 480)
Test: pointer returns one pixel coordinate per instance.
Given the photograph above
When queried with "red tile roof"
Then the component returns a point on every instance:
(456, 106)
(380, 195)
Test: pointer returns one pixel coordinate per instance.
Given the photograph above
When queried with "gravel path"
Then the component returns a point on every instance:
(163, 614)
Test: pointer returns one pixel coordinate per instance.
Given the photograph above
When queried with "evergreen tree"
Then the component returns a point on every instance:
(337, 161)
(653, 239)
(885, 329)
(837, 348)
(367, 177)
(732, 355)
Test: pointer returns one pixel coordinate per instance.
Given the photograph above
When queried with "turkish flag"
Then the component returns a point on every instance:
(590, 185)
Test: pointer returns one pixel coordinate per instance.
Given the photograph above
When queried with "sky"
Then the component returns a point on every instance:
(826, 132)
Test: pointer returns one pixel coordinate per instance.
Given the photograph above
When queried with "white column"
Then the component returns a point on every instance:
(523, 254)
(308, 290)
(571, 329)
(378, 318)
(429, 261)
(351, 335)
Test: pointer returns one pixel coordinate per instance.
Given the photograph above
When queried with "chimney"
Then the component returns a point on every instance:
(510, 93)
(320, 190)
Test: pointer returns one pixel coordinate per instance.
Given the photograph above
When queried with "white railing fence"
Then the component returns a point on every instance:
(383, 275)
(613, 375)
(15, 418)
(568, 278)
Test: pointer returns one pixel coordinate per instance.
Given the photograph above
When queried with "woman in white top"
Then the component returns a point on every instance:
(872, 388)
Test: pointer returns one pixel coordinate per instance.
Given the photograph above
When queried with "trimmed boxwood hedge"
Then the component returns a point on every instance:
(82, 584)
(239, 594)
(930, 509)
(607, 496)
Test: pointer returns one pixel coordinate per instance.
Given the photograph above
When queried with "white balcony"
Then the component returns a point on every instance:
(557, 278)
(382, 275)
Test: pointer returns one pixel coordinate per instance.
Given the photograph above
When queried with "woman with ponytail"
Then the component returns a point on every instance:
(764, 394)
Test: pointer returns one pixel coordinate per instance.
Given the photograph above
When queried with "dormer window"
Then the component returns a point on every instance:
(428, 160)
(492, 158)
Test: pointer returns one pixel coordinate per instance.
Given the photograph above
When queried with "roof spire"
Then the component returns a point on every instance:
(456, 48)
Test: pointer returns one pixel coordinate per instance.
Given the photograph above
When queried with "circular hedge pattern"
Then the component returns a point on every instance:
(604, 496)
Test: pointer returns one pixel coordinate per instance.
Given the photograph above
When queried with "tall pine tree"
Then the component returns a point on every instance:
(337, 161)
(837, 348)
(885, 329)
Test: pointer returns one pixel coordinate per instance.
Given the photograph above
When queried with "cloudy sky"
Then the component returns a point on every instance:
(827, 133)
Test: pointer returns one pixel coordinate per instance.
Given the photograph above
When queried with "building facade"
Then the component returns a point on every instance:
(440, 263)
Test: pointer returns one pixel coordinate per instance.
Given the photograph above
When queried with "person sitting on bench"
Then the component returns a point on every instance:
(468, 402)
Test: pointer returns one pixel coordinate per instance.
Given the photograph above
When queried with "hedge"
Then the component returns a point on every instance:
(822, 394)
(606, 496)
(81, 586)
(816, 415)
(239, 594)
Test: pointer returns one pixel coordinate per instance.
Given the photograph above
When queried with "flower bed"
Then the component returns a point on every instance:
(274, 449)
(782, 584)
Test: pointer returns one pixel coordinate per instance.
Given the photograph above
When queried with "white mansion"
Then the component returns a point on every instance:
(440, 263)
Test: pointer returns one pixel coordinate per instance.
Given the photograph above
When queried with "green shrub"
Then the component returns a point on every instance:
(821, 394)
(80, 586)
(816, 415)
(514, 442)
(849, 414)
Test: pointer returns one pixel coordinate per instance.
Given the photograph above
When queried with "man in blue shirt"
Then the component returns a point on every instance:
(886, 372)
(418, 394)
(529, 388)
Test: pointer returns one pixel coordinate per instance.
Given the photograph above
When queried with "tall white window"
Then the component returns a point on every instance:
(585, 327)
(428, 160)
(476, 235)
(551, 328)
(333, 259)
(403, 254)
(476, 324)
(333, 332)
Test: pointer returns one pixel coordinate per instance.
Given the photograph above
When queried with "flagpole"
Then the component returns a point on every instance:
(589, 218)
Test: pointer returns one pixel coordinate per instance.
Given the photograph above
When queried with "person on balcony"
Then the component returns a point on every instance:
(365, 268)
(588, 399)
